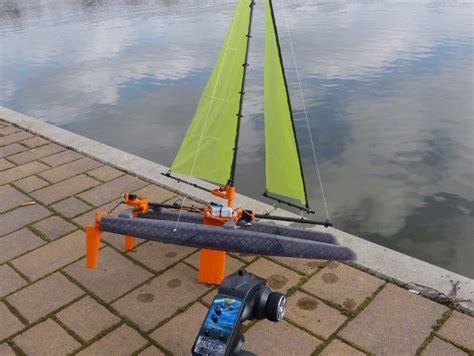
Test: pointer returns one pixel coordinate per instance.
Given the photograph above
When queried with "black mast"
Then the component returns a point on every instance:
(230, 182)
(306, 208)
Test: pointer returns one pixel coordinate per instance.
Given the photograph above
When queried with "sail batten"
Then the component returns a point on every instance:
(284, 173)
(207, 150)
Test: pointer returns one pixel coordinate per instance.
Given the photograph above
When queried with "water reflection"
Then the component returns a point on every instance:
(388, 86)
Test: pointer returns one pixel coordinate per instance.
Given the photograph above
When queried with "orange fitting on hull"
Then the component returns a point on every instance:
(227, 192)
(230, 192)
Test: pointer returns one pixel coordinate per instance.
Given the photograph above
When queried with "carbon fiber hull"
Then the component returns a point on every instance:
(225, 239)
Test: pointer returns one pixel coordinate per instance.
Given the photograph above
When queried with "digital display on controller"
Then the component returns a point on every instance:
(217, 327)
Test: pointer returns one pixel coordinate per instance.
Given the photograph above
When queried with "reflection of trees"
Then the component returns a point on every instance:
(9, 9)
(92, 3)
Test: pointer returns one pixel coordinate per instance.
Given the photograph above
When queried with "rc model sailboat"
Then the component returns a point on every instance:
(209, 151)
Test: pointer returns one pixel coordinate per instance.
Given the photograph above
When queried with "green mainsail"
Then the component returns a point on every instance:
(207, 148)
(284, 175)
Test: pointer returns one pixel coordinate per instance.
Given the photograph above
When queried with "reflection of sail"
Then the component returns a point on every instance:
(284, 174)
(207, 148)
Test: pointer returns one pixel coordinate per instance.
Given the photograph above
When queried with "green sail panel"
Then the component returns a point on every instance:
(282, 161)
(207, 148)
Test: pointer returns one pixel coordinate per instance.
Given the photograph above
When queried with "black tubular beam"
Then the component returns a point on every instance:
(296, 220)
(171, 206)
(179, 180)
(305, 209)
(241, 102)
(289, 106)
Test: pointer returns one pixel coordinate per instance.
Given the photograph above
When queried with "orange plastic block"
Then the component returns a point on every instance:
(211, 266)
(128, 243)
(211, 262)
(92, 245)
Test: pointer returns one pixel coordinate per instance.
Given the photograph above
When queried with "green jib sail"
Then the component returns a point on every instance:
(207, 148)
(283, 166)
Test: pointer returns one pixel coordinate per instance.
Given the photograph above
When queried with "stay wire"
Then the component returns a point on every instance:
(305, 111)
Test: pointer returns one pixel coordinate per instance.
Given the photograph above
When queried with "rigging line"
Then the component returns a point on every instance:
(186, 192)
(305, 111)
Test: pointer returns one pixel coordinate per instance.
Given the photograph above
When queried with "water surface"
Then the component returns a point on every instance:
(388, 86)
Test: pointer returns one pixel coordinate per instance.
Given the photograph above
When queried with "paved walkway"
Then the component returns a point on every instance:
(147, 302)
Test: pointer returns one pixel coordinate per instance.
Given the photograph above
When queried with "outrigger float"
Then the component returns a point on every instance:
(209, 151)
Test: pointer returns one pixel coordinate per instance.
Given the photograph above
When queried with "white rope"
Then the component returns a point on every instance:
(305, 111)
(186, 192)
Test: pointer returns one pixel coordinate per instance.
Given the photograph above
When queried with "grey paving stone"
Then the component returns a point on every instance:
(64, 189)
(121, 341)
(61, 158)
(89, 217)
(15, 219)
(19, 172)
(159, 256)
(151, 351)
(8, 150)
(339, 348)
(11, 198)
(112, 190)
(6, 350)
(439, 347)
(314, 315)
(46, 338)
(278, 278)
(17, 243)
(155, 194)
(396, 322)
(52, 256)
(18, 136)
(87, 318)
(35, 142)
(117, 240)
(8, 130)
(10, 281)
(279, 339)
(4, 164)
(343, 285)
(246, 257)
(70, 169)
(30, 184)
(54, 227)
(161, 297)
(44, 296)
(459, 328)
(105, 173)
(71, 207)
(35, 153)
(302, 265)
(10, 324)
(114, 276)
(178, 334)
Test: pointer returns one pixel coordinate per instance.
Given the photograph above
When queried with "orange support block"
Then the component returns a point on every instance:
(128, 243)
(211, 266)
(92, 245)
(212, 262)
